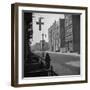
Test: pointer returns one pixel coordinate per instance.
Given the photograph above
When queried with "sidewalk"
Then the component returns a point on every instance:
(68, 53)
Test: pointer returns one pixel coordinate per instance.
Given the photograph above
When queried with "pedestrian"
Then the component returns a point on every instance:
(47, 60)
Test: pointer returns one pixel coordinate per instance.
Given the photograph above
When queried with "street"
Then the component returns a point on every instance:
(64, 63)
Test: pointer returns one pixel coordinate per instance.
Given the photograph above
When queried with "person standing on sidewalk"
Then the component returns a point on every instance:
(47, 60)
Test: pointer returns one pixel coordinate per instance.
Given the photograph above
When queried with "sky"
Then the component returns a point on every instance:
(48, 20)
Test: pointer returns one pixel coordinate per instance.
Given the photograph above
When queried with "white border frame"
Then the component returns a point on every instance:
(56, 78)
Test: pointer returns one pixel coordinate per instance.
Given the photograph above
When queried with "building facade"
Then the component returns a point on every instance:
(54, 36)
(72, 33)
(64, 34)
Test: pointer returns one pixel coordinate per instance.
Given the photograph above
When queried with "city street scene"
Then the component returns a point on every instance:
(51, 44)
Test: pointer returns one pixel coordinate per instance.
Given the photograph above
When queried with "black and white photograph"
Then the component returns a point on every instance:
(49, 44)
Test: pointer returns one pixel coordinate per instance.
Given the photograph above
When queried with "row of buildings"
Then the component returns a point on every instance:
(38, 46)
(64, 34)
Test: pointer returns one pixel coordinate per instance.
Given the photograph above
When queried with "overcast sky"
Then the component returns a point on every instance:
(48, 20)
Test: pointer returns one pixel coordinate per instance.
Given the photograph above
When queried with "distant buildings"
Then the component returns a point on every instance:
(64, 34)
(38, 46)
(45, 46)
(54, 36)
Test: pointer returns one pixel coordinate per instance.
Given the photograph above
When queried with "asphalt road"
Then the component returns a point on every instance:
(64, 64)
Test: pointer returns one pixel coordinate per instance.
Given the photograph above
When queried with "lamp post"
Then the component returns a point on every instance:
(40, 23)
